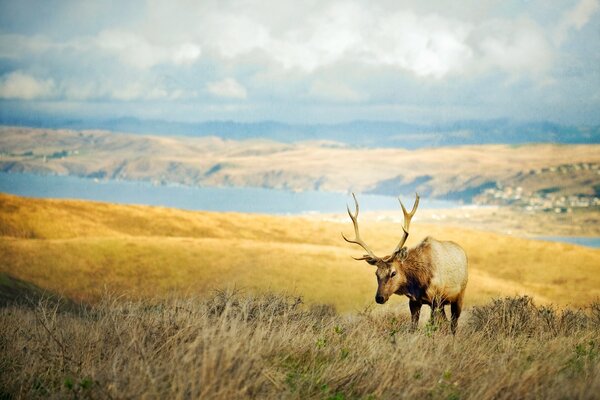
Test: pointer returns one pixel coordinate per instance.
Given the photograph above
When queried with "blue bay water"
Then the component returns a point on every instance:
(250, 200)
(578, 240)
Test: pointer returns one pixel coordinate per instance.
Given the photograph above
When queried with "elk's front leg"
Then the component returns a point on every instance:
(455, 309)
(438, 314)
(415, 312)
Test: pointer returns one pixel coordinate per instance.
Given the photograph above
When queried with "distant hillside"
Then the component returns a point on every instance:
(84, 249)
(356, 133)
(455, 173)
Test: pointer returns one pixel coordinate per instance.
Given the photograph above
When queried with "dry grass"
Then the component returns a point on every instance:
(80, 248)
(233, 345)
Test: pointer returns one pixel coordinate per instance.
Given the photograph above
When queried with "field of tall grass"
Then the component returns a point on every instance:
(236, 345)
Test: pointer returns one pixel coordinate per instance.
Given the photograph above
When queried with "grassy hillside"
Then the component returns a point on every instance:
(83, 249)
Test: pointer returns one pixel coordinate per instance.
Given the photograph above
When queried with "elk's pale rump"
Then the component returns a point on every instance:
(433, 272)
(449, 267)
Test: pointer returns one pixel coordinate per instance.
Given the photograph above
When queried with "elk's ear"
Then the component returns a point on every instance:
(368, 258)
(402, 254)
(371, 261)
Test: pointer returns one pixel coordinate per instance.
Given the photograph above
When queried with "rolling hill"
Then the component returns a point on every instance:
(84, 249)
(458, 173)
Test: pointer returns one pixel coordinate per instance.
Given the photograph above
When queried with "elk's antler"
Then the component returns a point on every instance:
(407, 217)
(357, 240)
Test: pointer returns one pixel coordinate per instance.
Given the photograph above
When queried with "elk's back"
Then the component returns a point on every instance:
(449, 269)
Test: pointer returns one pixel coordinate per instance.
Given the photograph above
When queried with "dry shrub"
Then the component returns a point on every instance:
(595, 314)
(249, 308)
(234, 345)
(515, 316)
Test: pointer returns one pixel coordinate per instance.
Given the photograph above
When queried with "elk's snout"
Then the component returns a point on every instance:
(379, 299)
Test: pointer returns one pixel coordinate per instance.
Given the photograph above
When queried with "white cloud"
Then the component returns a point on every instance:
(427, 46)
(186, 53)
(515, 47)
(82, 90)
(132, 91)
(14, 46)
(234, 35)
(321, 40)
(581, 14)
(18, 85)
(334, 91)
(228, 87)
(136, 51)
(576, 18)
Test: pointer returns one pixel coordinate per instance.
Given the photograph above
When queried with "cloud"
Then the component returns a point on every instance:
(15, 46)
(122, 91)
(228, 88)
(582, 13)
(142, 91)
(334, 91)
(576, 18)
(233, 35)
(427, 45)
(136, 51)
(18, 85)
(514, 46)
(185, 53)
(21, 86)
(321, 39)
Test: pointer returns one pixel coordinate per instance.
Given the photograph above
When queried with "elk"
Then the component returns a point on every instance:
(433, 272)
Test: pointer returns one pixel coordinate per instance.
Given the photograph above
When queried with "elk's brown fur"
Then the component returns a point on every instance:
(433, 272)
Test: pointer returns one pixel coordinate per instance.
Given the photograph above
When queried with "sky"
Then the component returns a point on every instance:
(309, 62)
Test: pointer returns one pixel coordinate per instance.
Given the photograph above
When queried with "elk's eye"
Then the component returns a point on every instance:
(393, 274)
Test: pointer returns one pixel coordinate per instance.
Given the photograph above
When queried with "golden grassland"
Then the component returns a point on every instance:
(82, 249)
(232, 346)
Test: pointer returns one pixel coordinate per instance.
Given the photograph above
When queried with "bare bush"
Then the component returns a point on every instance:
(516, 316)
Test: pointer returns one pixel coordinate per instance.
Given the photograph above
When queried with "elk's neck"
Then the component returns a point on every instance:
(417, 269)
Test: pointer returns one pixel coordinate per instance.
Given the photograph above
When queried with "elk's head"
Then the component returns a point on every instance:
(390, 274)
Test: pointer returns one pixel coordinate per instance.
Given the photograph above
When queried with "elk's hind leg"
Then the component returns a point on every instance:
(415, 312)
(455, 309)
